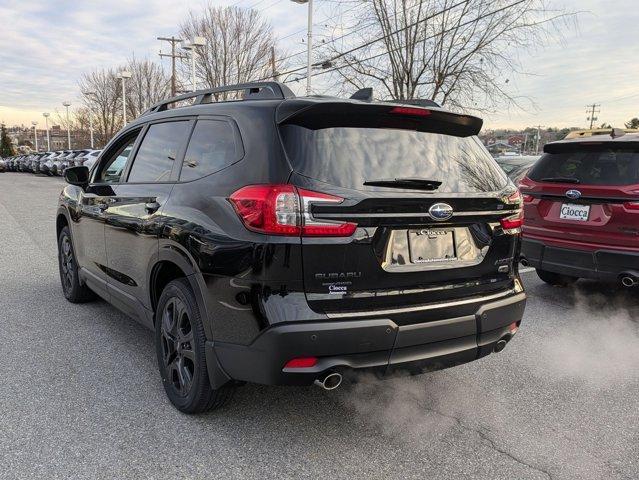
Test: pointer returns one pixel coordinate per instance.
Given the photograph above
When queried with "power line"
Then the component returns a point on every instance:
(506, 7)
(384, 37)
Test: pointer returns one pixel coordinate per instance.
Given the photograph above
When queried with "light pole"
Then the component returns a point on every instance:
(309, 43)
(124, 74)
(46, 125)
(90, 117)
(35, 135)
(193, 46)
(68, 104)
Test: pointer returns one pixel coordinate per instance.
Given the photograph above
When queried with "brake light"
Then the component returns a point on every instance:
(285, 210)
(417, 112)
(631, 205)
(301, 362)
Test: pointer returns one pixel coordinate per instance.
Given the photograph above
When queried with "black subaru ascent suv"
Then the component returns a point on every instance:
(277, 239)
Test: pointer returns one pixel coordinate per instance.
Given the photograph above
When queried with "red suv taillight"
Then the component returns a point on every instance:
(285, 210)
(512, 225)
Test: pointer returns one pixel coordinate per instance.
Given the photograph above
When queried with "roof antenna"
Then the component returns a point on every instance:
(363, 94)
(617, 132)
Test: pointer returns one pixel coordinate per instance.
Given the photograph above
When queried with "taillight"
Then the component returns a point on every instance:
(416, 112)
(285, 210)
(631, 205)
(512, 225)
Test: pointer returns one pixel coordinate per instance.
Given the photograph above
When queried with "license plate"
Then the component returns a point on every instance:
(571, 211)
(430, 245)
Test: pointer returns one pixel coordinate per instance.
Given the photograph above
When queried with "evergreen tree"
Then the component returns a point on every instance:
(633, 123)
(6, 149)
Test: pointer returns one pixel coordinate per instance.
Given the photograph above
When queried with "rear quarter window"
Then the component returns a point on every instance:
(213, 146)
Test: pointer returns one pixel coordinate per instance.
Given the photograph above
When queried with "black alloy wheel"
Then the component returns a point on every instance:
(74, 291)
(180, 347)
(177, 346)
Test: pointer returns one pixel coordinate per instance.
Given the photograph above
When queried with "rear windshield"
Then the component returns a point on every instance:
(594, 165)
(347, 157)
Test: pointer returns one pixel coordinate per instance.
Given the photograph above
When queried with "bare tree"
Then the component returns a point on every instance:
(101, 93)
(101, 96)
(460, 53)
(148, 85)
(238, 46)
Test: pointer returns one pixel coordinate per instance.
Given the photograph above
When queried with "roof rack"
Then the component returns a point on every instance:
(252, 91)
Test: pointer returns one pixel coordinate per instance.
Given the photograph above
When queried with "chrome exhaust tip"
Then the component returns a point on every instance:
(628, 281)
(500, 345)
(330, 381)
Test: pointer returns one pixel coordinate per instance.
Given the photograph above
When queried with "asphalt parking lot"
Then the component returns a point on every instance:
(80, 395)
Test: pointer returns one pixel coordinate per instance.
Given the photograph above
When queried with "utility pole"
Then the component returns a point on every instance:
(273, 69)
(539, 127)
(173, 41)
(591, 111)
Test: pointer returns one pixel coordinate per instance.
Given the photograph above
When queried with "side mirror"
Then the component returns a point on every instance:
(78, 176)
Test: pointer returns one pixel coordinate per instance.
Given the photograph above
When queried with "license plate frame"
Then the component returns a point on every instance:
(431, 245)
(571, 212)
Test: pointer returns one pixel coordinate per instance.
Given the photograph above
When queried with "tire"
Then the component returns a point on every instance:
(74, 291)
(179, 342)
(556, 279)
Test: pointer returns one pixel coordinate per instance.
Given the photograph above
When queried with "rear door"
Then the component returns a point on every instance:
(585, 192)
(134, 215)
(414, 243)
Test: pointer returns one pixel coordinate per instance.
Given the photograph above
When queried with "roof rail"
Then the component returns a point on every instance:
(252, 91)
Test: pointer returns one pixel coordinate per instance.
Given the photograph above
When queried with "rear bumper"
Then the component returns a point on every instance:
(376, 344)
(603, 264)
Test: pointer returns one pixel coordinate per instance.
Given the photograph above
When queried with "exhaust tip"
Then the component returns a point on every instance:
(628, 281)
(330, 381)
(500, 345)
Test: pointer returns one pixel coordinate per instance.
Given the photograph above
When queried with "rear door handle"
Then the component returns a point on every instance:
(151, 207)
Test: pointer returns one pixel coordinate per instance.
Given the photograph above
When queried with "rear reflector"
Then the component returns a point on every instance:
(513, 328)
(631, 205)
(301, 362)
(417, 112)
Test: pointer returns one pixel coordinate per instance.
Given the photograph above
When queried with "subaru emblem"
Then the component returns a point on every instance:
(573, 194)
(440, 211)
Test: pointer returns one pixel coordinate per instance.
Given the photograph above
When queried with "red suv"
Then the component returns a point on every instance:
(581, 205)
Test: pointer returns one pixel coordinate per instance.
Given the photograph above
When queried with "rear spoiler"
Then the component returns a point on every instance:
(316, 115)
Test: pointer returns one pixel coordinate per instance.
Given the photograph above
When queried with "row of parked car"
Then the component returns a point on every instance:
(49, 163)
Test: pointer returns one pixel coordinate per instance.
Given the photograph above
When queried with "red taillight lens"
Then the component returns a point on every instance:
(512, 225)
(301, 362)
(272, 209)
(416, 112)
(631, 205)
(285, 210)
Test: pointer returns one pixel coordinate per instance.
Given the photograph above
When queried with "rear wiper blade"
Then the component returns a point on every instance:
(561, 179)
(415, 183)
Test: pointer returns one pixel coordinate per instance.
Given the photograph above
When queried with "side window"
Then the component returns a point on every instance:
(212, 147)
(158, 152)
(111, 171)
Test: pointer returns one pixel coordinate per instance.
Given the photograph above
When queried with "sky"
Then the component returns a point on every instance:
(46, 45)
